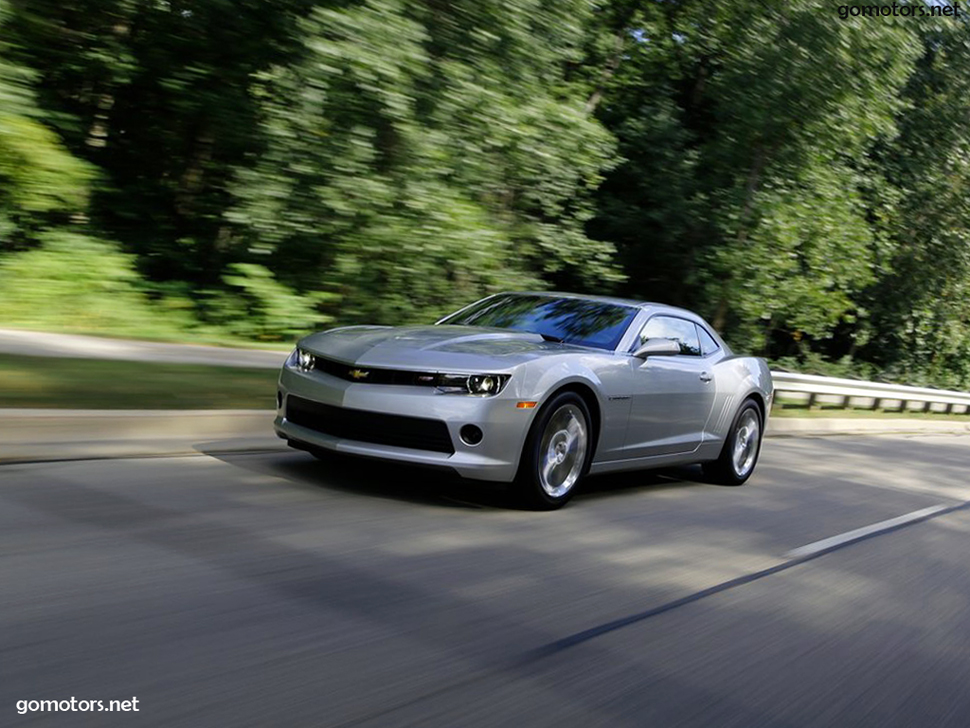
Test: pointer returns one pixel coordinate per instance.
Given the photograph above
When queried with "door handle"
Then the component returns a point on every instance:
(705, 377)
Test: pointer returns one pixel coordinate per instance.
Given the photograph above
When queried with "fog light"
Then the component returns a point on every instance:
(471, 434)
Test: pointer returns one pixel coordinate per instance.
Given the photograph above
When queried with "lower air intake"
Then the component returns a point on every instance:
(379, 428)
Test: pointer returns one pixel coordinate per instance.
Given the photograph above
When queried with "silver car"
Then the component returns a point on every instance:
(535, 389)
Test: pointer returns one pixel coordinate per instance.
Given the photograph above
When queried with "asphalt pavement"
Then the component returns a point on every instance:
(231, 589)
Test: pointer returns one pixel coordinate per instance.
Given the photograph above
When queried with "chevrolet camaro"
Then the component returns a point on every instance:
(534, 389)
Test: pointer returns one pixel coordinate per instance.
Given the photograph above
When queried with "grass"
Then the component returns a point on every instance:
(47, 382)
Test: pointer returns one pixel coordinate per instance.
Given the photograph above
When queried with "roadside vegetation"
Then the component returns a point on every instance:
(47, 382)
(243, 172)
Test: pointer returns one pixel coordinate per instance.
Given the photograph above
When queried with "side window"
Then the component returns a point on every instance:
(680, 330)
(708, 345)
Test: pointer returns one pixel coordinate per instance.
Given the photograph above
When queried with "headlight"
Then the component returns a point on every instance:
(302, 360)
(483, 385)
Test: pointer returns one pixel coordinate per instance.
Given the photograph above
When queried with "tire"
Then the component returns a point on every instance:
(557, 453)
(742, 447)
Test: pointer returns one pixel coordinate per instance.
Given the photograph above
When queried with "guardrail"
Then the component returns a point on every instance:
(815, 391)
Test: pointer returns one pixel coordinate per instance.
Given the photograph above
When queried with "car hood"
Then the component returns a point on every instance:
(433, 348)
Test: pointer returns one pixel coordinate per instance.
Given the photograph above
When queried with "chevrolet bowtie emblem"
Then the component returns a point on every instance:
(359, 374)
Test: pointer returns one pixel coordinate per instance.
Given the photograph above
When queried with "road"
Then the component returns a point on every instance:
(36, 343)
(272, 589)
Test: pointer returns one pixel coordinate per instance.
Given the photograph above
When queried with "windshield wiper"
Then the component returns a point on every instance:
(550, 337)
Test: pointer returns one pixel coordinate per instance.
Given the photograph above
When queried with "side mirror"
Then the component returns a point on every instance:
(657, 347)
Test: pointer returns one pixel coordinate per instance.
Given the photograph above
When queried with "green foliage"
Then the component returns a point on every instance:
(799, 265)
(257, 306)
(38, 175)
(269, 167)
(407, 174)
(764, 116)
(158, 96)
(814, 363)
(40, 182)
(921, 307)
(85, 283)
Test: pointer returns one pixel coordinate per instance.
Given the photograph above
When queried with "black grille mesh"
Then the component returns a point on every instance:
(377, 427)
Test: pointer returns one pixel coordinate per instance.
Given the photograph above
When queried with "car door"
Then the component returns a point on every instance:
(671, 396)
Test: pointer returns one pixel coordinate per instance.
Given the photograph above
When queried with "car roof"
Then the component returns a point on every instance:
(651, 305)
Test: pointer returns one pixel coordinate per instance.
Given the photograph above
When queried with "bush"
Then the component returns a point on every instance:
(257, 306)
(75, 282)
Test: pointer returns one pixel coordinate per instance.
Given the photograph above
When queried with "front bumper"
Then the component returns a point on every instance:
(495, 458)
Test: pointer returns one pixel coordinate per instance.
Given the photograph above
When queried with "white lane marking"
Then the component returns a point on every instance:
(827, 543)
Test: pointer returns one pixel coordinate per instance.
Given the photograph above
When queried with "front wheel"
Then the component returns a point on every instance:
(741, 448)
(556, 454)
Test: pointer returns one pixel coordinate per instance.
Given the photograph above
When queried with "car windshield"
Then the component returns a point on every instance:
(572, 320)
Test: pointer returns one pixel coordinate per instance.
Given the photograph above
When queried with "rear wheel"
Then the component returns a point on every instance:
(741, 448)
(557, 453)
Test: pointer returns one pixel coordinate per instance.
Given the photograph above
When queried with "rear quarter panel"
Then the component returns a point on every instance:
(737, 378)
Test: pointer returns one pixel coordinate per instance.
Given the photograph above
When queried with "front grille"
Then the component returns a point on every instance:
(368, 375)
(379, 428)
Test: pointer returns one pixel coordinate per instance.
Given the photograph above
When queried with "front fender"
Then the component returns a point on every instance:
(539, 380)
(601, 376)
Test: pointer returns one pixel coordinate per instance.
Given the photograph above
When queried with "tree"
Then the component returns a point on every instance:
(421, 154)
(746, 129)
(157, 96)
(41, 184)
(920, 327)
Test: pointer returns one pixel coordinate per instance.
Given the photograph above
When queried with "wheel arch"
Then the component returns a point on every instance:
(759, 399)
(588, 395)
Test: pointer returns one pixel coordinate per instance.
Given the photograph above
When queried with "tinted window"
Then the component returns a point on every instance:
(708, 345)
(680, 330)
(573, 320)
